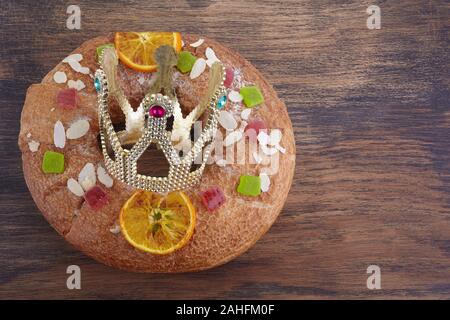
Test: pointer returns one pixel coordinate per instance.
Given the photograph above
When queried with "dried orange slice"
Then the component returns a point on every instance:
(136, 49)
(157, 224)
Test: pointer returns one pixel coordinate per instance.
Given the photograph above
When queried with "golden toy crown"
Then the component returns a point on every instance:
(148, 125)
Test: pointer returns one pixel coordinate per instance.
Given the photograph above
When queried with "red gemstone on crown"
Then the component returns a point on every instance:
(157, 111)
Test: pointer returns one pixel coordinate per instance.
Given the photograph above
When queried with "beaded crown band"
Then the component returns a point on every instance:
(151, 116)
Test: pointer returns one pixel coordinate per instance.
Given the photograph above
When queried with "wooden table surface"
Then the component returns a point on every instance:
(371, 115)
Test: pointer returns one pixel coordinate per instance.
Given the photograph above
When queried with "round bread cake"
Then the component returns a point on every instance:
(220, 234)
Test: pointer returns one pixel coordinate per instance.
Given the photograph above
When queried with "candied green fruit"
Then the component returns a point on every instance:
(100, 49)
(53, 162)
(185, 61)
(249, 185)
(252, 96)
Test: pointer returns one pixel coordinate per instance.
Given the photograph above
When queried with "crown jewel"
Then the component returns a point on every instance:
(147, 125)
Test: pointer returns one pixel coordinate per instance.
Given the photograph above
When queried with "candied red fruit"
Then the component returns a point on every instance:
(212, 198)
(96, 197)
(253, 128)
(67, 98)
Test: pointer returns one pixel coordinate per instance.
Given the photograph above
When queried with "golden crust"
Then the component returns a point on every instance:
(219, 236)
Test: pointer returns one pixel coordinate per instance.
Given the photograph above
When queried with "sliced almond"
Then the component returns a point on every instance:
(59, 135)
(270, 151)
(87, 183)
(245, 114)
(33, 145)
(232, 138)
(60, 77)
(115, 229)
(265, 182)
(79, 85)
(235, 97)
(74, 62)
(221, 162)
(104, 177)
(75, 187)
(86, 177)
(227, 120)
(275, 137)
(75, 65)
(77, 129)
(197, 43)
(75, 57)
(198, 68)
(210, 56)
(263, 138)
(84, 70)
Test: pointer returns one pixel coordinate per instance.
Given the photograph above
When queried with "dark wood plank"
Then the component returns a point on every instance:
(370, 112)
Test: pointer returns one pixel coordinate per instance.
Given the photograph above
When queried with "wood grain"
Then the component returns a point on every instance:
(371, 115)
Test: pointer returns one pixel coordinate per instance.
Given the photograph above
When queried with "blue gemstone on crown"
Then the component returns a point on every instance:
(222, 102)
(97, 84)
